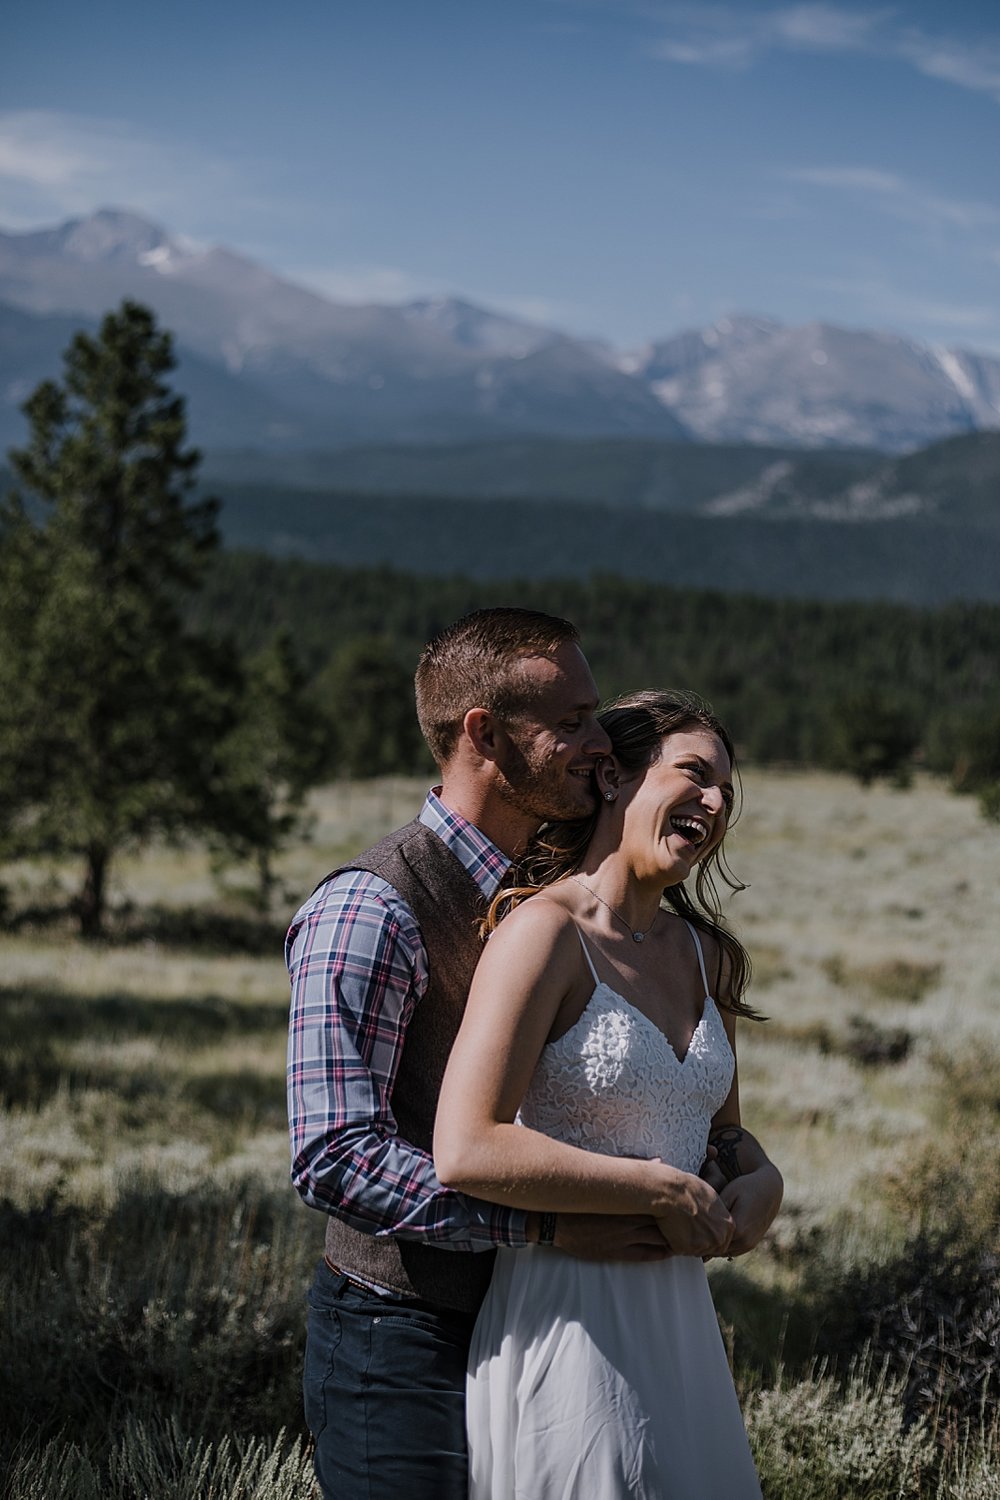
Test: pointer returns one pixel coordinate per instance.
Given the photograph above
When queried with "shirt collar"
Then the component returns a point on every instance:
(474, 851)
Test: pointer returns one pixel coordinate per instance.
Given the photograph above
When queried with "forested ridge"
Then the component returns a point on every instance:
(956, 479)
(910, 560)
(798, 682)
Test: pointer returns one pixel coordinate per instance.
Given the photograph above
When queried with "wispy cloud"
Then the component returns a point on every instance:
(365, 283)
(955, 62)
(729, 36)
(35, 152)
(55, 165)
(900, 197)
(546, 312)
(824, 28)
(877, 298)
(961, 233)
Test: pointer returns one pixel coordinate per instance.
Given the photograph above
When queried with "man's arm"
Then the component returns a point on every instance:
(746, 1180)
(358, 968)
(609, 1237)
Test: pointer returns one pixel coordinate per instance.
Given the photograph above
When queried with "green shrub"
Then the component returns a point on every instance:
(875, 1046)
(892, 979)
(816, 1440)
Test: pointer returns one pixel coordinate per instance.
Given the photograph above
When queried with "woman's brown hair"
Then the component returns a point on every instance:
(637, 724)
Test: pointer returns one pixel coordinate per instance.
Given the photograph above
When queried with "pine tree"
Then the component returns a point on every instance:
(277, 750)
(109, 708)
(975, 745)
(873, 734)
(367, 695)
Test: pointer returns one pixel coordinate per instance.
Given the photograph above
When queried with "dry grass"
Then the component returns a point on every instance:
(871, 907)
(149, 1070)
(864, 906)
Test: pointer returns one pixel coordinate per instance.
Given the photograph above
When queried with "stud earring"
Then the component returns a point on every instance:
(609, 796)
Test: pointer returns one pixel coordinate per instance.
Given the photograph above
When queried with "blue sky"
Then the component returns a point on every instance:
(621, 168)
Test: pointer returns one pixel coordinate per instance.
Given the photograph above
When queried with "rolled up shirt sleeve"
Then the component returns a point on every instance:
(358, 968)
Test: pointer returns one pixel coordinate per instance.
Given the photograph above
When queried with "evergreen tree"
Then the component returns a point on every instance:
(975, 765)
(873, 735)
(367, 696)
(109, 707)
(278, 749)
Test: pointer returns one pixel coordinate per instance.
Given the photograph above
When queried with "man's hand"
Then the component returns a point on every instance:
(710, 1170)
(753, 1200)
(610, 1237)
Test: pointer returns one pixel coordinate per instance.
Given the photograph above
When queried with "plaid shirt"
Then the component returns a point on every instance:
(358, 968)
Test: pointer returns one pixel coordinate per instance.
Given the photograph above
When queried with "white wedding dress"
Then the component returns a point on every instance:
(600, 1380)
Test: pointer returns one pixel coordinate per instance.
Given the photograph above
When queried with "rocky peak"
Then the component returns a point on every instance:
(110, 234)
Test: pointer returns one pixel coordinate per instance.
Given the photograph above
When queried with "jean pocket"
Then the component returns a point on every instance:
(426, 1327)
(329, 1290)
(323, 1336)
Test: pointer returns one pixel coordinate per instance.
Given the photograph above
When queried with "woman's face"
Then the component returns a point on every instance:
(677, 810)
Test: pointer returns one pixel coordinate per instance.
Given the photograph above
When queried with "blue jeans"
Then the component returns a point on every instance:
(384, 1388)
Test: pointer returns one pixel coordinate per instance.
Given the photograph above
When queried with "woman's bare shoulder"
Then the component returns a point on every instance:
(532, 954)
(544, 918)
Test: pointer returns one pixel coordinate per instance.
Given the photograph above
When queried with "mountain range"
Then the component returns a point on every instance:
(269, 365)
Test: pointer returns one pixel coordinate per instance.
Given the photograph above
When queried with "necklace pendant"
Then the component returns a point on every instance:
(638, 937)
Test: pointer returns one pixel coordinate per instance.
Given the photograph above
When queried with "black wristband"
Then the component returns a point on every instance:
(546, 1229)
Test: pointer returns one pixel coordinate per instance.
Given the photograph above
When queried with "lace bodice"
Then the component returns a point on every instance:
(614, 1084)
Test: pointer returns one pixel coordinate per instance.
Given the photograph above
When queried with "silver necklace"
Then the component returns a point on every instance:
(638, 935)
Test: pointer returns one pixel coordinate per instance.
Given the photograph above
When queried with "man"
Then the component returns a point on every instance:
(381, 957)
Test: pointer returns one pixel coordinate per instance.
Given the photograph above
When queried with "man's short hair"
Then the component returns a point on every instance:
(475, 663)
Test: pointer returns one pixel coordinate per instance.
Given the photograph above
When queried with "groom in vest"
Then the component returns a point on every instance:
(381, 957)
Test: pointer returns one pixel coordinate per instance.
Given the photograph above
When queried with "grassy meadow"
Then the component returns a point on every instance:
(153, 1258)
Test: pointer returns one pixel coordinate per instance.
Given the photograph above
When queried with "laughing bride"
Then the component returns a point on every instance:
(596, 1057)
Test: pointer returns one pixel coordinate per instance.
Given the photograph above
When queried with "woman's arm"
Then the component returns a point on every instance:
(525, 986)
(749, 1183)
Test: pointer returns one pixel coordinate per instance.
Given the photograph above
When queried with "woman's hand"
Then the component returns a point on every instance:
(692, 1217)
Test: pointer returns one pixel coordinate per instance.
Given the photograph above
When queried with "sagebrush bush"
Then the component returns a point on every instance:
(973, 1474)
(875, 1046)
(931, 1313)
(891, 979)
(818, 1440)
(190, 1304)
(155, 1459)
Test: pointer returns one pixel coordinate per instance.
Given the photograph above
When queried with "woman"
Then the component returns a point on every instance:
(591, 1020)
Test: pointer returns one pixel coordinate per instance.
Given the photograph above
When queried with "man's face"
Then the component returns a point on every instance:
(551, 748)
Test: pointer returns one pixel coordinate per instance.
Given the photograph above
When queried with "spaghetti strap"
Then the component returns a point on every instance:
(586, 954)
(701, 957)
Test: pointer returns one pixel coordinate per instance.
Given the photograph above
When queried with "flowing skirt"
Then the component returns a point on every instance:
(602, 1381)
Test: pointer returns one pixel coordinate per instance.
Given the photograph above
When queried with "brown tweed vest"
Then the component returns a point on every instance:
(447, 905)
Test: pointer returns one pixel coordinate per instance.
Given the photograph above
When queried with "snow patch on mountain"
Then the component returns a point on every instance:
(952, 367)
